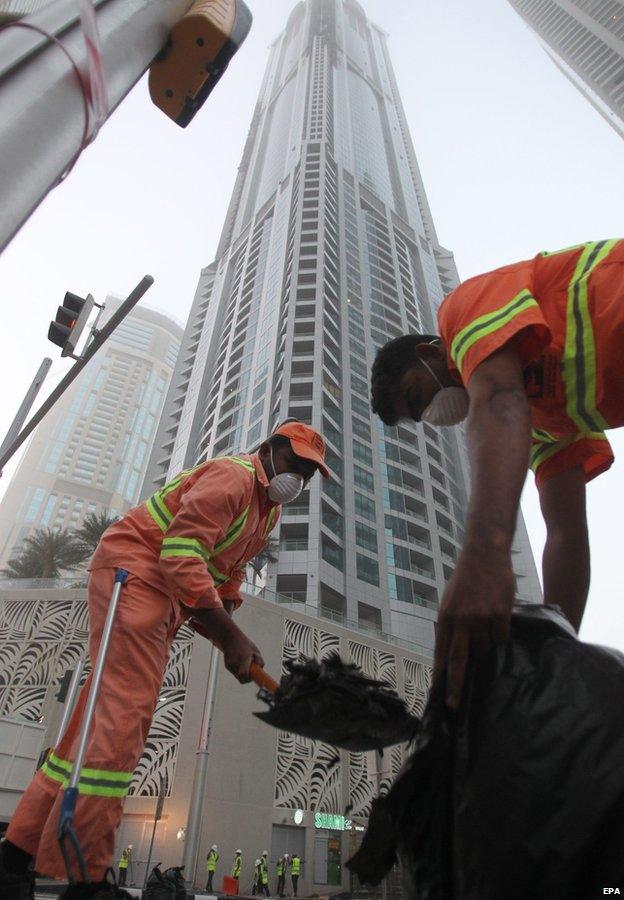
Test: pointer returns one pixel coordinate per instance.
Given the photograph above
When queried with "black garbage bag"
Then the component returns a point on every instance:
(174, 874)
(167, 885)
(520, 794)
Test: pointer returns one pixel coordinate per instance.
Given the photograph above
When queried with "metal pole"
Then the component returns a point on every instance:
(157, 816)
(42, 112)
(99, 338)
(70, 700)
(96, 679)
(27, 402)
(384, 885)
(191, 842)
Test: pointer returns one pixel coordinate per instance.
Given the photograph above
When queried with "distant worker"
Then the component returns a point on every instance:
(279, 870)
(211, 865)
(295, 872)
(123, 866)
(281, 874)
(257, 877)
(186, 549)
(532, 354)
(264, 874)
(237, 865)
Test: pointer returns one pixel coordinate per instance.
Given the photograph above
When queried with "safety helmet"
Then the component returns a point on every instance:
(265, 852)
(239, 851)
(286, 855)
(214, 847)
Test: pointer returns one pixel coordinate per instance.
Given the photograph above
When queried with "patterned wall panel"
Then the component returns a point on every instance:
(308, 773)
(41, 639)
(417, 679)
(374, 663)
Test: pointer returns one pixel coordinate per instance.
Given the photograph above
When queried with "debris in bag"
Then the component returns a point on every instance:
(520, 794)
(167, 885)
(334, 702)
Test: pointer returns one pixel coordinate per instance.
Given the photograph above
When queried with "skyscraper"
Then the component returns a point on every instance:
(328, 250)
(90, 452)
(585, 39)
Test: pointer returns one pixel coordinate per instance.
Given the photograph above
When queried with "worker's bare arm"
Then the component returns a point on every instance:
(238, 651)
(476, 606)
(565, 563)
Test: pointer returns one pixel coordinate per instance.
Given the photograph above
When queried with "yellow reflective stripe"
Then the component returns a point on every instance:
(579, 359)
(96, 782)
(234, 533)
(489, 323)
(558, 252)
(270, 520)
(181, 546)
(190, 547)
(539, 434)
(544, 451)
(159, 511)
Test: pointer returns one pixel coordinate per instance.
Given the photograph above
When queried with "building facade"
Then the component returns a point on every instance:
(585, 39)
(265, 789)
(329, 250)
(90, 453)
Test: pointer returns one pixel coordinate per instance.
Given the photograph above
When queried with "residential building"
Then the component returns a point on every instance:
(328, 250)
(585, 39)
(90, 452)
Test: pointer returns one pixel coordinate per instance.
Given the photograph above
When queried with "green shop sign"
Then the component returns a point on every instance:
(332, 822)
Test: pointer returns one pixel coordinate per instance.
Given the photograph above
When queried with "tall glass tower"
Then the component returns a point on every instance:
(585, 39)
(329, 250)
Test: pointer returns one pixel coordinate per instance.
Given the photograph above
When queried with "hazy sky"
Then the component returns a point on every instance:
(514, 161)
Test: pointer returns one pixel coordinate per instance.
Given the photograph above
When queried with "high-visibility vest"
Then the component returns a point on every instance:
(211, 861)
(236, 868)
(280, 867)
(175, 546)
(295, 866)
(123, 862)
(264, 870)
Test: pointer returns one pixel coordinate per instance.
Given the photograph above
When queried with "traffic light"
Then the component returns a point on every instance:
(196, 55)
(70, 321)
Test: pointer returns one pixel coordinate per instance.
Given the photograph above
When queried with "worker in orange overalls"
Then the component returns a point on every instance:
(533, 354)
(186, 549)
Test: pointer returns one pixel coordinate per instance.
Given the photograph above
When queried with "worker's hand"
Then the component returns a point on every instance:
(239, 653)
(474, 615)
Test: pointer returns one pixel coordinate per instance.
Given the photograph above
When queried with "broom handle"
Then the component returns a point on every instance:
(262, 678)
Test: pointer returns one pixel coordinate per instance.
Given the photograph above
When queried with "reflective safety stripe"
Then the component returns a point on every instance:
(159, 512)
(270, 520)
(96, 782)
(543, 450)
(489, 323)
(156, 505)
(189, 547)
(559, 252)
(579, 359)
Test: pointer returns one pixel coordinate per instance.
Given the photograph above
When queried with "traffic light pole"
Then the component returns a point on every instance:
(25, 408)
(44, 116)
(99, 337)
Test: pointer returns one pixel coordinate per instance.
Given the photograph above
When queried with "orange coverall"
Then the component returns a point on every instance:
(187, 545)
(565, 310)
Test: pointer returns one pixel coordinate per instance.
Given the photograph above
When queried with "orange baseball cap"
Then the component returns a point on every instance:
(305, 442)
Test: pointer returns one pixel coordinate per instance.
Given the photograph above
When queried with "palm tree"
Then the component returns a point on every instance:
(267, 554)
(46, 554)
(93, 527)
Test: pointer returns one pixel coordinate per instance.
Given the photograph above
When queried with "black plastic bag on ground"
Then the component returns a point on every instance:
(521, 793)
(174, 874)
(167, 885)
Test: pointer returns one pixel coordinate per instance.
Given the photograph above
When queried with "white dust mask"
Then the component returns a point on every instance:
(449, 406)
(285, 487)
